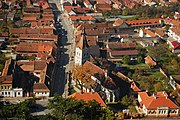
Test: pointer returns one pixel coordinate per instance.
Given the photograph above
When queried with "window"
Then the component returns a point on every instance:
(45, 93)
(1, 87)
(8, 87)
(5, 93)
(18, 93)
(2, 93)
(8, 93)
(162, 112)
(4, 87)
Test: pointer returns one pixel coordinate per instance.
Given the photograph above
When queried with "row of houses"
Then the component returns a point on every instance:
(29, 73)
(94, 39)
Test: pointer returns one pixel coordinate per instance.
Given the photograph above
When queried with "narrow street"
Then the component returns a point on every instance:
(64, 59)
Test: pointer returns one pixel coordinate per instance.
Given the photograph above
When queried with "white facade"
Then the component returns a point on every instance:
(15, 92)
(41, 94)
(175, 36)
(82, 56)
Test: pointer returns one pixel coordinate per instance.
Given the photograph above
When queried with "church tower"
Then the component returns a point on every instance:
(82, 50)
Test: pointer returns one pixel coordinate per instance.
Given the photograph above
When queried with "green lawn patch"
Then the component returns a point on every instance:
(137, 66)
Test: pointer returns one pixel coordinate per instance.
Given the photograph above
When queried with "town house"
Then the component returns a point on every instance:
(157, 105)
(95, 79)
(117, 50)
(7, 88)
(32, 77)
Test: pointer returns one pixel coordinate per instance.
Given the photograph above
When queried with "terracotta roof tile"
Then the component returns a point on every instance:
(92, 40)
(82, 17)
(119, 45)
(124, 52)
(82, 43)
(40, 87)
(149, 32)
(149, 60)
(159, 100)
(176, 30)
(4, 34)
(93, 70)
(88, 97)
(160, 32)
(29, 18)
(6, 67)
(145, 22)
(135, 87)
(6, 79)
(103, 7)
(118, 22)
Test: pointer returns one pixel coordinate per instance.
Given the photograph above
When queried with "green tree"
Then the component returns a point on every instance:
(126, 59)
(129, 74)
(139, 59)
(107, 114)
(120, 115)
(126, 101)
(132, 109)
(69, 108)
(17, 111)
(158, 87)
(62, 107)
(125, 11)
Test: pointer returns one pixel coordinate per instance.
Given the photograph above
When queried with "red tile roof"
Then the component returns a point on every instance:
(4, 34)
(118, 22)
(82, 17)
(129, 3)
(6, 79)
(124, 52)
(40, 87)
(88, 97)
(160, 32)
(69, 8)
(100, 1)
(82, 43)
(119, 45)
(149, 60)
(159, 100)
(92, 40)
(146, 22)
(135, 87)
(149, 32)
(29, 18)
(175, 44)
(103, 7)
(176, 30)
(92, 69)
(6, 67)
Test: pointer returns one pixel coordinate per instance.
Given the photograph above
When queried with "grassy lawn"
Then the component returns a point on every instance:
(137, 66)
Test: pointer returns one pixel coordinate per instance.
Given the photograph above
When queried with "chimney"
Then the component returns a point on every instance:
(75, 2)
(154, 96)
(106, 73)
